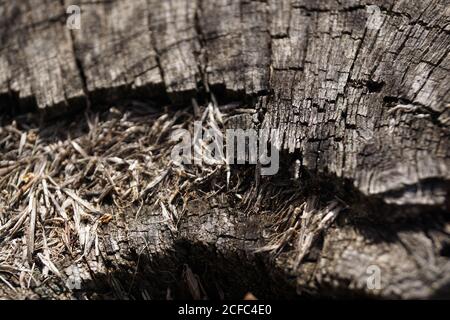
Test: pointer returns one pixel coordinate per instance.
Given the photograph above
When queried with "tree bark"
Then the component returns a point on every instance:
(362, 101)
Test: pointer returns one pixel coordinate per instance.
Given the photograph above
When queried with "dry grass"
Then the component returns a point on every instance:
(60, 180)
(56, 178)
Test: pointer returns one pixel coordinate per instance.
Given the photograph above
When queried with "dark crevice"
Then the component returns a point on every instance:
(364, 208)
(445, 250)
(374, 86)
(319, 10)
(12, 104)
(218, 275)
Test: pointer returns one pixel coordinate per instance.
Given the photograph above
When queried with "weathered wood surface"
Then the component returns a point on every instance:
(366, 104)
(355, 102)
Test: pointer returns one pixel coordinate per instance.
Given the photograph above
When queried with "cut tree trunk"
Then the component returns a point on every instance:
(359, 90)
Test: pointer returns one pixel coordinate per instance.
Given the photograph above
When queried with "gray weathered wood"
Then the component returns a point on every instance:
(354, 103)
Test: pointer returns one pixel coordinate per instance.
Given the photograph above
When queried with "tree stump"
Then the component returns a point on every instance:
(359, 93)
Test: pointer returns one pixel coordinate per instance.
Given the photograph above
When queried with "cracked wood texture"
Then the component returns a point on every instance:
(360, 95)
